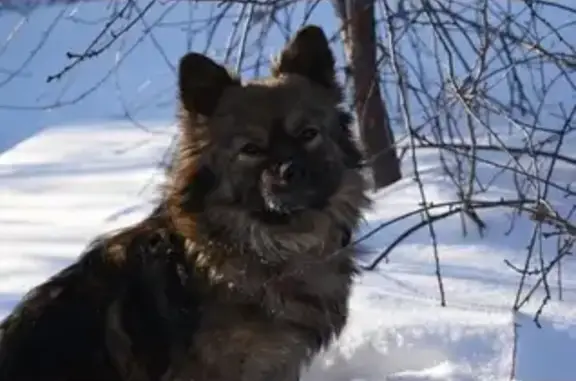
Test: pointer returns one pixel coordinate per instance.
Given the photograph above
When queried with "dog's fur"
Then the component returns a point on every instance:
(227, 279)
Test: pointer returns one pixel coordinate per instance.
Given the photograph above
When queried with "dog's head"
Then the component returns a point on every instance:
(271, 152)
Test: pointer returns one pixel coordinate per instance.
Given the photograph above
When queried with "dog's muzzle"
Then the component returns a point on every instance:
(284, 188)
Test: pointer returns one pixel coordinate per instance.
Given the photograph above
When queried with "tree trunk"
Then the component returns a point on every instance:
(359, 36)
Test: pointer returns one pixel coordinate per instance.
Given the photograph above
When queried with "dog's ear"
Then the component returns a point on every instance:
(308, 54)
(201, 83)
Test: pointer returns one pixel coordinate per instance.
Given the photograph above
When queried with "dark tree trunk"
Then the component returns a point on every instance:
(359, 35)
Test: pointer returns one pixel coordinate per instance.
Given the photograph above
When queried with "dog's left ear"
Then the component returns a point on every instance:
(308, 54)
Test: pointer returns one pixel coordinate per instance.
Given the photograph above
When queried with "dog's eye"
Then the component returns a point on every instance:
(307, 134)
(251, 149)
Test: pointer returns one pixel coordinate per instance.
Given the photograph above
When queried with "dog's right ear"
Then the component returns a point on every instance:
(308, 54)
(201, 83)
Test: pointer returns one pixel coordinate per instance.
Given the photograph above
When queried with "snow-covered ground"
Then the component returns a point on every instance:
(63, 182)
(66, 184)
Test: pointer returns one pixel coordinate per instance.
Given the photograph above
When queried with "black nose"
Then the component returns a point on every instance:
(289, 172)
(286, 171)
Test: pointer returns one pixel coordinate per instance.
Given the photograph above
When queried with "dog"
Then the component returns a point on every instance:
(243, 271)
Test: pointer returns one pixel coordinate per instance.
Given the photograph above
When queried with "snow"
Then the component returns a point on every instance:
(68, 183)
(66, 176)
(65, 184)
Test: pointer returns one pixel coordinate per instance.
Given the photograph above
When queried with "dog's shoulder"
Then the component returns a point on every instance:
(63, 325)
(57, 326)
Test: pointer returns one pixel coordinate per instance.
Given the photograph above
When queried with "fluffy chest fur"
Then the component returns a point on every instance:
(220, 304)
(309, 290)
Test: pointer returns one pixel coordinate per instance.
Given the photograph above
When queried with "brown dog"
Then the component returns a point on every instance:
(242, 272)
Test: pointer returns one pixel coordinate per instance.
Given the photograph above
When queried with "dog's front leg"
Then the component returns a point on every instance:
(279, 358)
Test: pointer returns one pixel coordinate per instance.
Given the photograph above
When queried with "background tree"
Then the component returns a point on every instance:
(360, 43)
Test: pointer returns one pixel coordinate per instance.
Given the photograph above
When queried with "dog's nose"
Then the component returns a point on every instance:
(286, 171)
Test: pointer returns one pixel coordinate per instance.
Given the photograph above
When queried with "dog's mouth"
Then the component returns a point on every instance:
(283, 204)
(282, 200)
